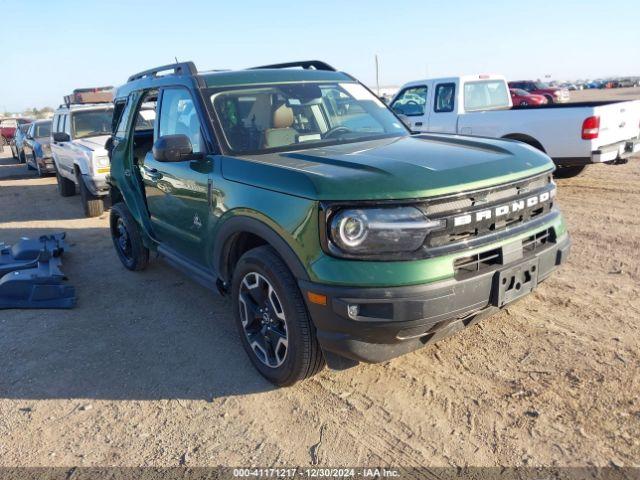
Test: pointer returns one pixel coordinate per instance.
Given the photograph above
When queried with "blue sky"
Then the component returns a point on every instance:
(50, 47)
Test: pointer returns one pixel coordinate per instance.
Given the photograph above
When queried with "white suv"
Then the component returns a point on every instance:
(79, 133)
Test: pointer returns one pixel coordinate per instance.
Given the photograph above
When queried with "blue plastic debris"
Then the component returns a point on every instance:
(30, 275)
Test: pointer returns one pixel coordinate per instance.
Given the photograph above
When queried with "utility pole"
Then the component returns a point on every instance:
(377, 76)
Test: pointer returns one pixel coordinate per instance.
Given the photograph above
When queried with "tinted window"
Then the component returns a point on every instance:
(445, 97)
(178, 116)
(412, 101)
(485, 95)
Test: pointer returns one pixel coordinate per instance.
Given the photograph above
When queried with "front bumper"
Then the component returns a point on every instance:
(377, 324)
(47, 164)
(98, 186)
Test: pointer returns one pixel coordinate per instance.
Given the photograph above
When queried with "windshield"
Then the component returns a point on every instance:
(520, 92)
(485, 95)
(41, 130)
(299, 116)
(91, 123)
(540, 85)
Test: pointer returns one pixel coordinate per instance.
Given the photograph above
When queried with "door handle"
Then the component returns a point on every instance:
(153, 173)
(418, 124)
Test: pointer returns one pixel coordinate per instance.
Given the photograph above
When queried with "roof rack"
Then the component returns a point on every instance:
(181, 68)
(83, 96)
(306, 64)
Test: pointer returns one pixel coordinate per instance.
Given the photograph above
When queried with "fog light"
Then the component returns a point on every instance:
(353, 311)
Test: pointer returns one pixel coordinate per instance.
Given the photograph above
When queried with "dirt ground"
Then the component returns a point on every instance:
(148, 370)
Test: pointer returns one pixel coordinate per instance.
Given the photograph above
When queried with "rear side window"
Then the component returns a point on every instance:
(445, 97)
(485, 95)
(411, 101)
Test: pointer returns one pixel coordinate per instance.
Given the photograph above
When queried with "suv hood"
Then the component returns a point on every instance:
(92, 143)
(398, 168)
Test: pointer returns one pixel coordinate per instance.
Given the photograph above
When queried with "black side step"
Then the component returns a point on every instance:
(204, 277)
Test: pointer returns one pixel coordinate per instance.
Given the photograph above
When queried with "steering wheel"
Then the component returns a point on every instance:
(340, 129)
(412, 102)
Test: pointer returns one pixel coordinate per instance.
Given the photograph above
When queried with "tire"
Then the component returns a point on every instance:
(127, 239)
(568, 172)
(22, 158)
(66, 187)
(29, 166)
(524, 103)
(279, 315)
(549, 99)
(93, 206)
(14, 154)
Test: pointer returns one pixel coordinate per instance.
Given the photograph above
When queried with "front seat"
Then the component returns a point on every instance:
(281, 134)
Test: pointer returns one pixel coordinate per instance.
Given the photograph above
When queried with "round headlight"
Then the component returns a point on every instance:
(350, 227)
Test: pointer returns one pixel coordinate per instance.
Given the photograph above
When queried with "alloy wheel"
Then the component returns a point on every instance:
(263, 320)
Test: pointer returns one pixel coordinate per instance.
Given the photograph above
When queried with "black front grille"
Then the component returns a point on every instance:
(473, 215)
(473, 264)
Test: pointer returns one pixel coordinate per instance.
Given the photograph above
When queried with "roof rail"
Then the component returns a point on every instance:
(306, 64)
(181, 68)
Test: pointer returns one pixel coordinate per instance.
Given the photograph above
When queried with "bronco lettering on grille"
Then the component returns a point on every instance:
(502, 210)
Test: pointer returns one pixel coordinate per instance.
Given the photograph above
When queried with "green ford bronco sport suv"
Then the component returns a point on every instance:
(339, 235)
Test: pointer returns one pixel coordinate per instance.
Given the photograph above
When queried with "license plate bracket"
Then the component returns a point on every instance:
(514, 282)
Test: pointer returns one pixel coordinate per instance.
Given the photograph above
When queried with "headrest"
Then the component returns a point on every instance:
(282, 117)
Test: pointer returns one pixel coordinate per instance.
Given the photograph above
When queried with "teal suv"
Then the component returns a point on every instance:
(339, 235)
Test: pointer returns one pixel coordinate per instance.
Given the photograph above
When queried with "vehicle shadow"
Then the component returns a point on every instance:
(144, 335)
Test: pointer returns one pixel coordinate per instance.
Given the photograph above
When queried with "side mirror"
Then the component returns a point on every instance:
(61, 137)
(173, 148)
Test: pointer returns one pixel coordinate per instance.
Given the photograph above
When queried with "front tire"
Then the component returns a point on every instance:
(29, 166)
(127, 239)
(93, 206)
(272, 319)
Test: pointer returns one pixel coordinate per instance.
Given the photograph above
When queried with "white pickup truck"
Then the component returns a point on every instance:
(81, 126)
(574, 135)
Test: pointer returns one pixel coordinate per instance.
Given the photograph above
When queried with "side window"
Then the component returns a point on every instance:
(54, 125)
(121, 129)
(411, 101)
(118, 108)
(178, 116)
(66, 124)
(445, 97)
